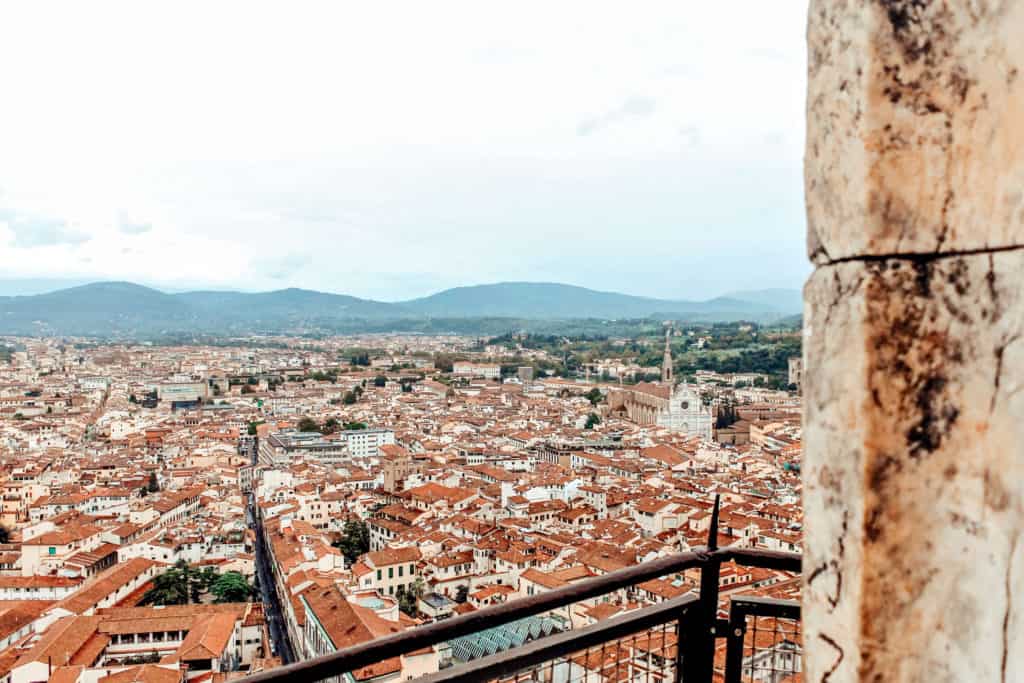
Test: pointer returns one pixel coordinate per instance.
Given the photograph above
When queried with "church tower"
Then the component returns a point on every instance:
(666, 363)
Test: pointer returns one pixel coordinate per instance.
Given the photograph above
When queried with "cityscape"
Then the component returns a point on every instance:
(467, 342)
(214, 510)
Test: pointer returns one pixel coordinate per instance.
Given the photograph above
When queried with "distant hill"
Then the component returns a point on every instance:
(783, 300)
(543, 300)
(124, 309)
(95, 309)
(289, 304)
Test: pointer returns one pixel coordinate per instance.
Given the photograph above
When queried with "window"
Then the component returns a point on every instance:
(379, 577)
(53, 551)
(400, 568)
(391, 572)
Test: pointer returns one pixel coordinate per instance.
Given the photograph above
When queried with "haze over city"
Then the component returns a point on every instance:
(391, 154)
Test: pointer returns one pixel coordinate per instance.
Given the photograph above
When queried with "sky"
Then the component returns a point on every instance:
(390, 150)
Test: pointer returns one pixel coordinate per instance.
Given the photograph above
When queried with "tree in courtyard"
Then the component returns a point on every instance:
(308, 424)
(330, 426)
(349, 398)
(152, 486)
(231, 587)
(726, 415)
(354, 541)
(409, 596)
(173, 587)
(594, 396)
(203, 581)
(592, 420)
(462, 594)
(380, 381)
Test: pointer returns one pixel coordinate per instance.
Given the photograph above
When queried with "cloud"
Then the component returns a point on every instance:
(132, 227)
(40, 231)
(634, 107)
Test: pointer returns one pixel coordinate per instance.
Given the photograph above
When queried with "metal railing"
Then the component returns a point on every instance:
(763, 640)
(691, 640)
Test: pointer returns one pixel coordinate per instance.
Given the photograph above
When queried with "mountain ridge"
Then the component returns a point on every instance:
(121, 307)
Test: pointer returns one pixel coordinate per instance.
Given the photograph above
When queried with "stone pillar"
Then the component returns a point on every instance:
(914, 342)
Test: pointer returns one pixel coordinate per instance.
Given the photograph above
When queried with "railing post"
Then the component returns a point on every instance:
(700, 625)
(734, 645)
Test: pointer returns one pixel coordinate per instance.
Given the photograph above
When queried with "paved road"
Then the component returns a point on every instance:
(271, 605)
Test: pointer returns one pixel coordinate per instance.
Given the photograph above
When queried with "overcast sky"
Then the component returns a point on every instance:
(390, 150)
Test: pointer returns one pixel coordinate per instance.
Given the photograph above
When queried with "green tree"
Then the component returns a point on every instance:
(380, 381)
(308, 424)
(726, 415)
(330, 426)
(349, 398)
(594, 396)
(408, 597)
(202, 582)
(231, 587)
(173, 587)
(462, 594)
(354, 426)
(592, 420)
(152, 486)
(354, 541)
(5, 534)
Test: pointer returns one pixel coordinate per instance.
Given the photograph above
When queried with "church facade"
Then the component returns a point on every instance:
(686, 413)
(664, 404)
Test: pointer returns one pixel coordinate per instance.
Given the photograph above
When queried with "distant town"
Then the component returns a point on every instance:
(195, 511)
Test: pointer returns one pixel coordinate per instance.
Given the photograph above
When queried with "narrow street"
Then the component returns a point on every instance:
(272, 607)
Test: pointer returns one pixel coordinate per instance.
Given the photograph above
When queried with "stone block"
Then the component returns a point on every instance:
(914, 135)
(914, 470)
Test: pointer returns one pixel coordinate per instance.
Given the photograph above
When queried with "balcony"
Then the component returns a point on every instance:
(690, 638)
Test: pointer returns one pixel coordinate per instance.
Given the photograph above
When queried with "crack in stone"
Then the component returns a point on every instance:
(839, 660)
(921, 257)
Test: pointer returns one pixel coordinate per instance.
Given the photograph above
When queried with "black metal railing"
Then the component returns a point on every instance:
(671, 640)
(763, 640)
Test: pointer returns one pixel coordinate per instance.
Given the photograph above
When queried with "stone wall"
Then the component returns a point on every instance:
(913, 361)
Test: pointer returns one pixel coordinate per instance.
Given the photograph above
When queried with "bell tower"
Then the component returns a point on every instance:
(666, 362)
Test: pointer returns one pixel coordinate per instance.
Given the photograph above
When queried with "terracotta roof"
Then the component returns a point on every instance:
(61, 641)
(104, 584)
(147, 673)
(209, 636)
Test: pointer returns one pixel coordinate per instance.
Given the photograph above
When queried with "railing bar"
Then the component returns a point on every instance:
(525, 656)
(767, 607)
(766, 559)
(371, 652)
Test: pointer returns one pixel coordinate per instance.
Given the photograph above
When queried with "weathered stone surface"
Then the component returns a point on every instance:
(914, 135)
(914, 470)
